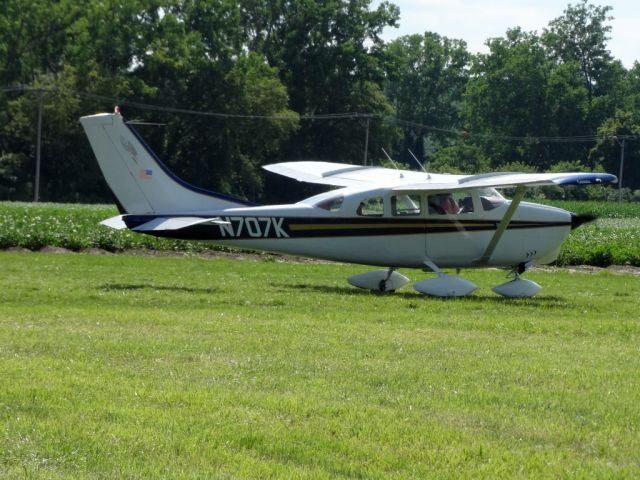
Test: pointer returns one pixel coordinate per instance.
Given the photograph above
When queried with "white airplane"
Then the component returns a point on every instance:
(379, 216)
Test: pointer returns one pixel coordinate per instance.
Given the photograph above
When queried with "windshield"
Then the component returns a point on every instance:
(490, 198)
(332, 204)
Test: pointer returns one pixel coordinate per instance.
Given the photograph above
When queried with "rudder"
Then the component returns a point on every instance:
(139, 180)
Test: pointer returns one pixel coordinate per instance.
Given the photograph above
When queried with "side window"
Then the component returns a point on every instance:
(490, 199)
(331, 204)
(402, 205)
(464, 200)
(450, 203)
(371, 207)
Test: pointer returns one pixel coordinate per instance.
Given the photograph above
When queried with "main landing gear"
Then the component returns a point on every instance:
(443, 285)
(379, 280)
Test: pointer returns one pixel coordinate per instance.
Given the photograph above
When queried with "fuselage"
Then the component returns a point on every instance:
(387, 228)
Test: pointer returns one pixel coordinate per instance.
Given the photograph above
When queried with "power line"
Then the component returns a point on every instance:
(541, 139)
(327, 116)
(162, 108)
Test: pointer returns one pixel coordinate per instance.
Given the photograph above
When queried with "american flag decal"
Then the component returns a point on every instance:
(145, 174)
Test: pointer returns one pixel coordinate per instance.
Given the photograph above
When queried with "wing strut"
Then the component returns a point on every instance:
(504, 223)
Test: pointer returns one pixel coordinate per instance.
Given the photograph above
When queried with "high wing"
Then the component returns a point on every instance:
(346, 175)
(498, 180)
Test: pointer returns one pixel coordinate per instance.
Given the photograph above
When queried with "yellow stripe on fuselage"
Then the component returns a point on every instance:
(366, 226)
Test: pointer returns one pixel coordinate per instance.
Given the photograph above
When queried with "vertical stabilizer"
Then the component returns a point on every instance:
(140, 181)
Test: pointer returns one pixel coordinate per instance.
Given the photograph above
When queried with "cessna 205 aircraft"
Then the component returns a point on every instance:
(383, 217)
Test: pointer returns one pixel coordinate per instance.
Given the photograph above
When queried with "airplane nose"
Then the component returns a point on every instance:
(581, 219)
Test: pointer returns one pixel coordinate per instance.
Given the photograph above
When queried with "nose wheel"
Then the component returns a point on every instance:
(518, 287)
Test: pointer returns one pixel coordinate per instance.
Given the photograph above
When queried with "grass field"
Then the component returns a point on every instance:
(184, 367)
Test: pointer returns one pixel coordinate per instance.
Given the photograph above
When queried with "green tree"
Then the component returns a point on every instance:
(194, 59)
(506, 97)
(426, 77)
(607, 151)
(580, 36)
(329, 58)
(578, 39)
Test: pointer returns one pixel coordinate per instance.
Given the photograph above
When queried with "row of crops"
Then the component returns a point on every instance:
(614, 239)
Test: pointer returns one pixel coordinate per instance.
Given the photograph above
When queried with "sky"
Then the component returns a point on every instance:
(474, 21)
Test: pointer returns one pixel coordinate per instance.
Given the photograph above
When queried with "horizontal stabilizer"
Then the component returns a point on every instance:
(160, 223)
(177, 223)
(117, 223)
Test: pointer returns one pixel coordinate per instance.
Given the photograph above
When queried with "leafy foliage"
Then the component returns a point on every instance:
(613, 239)
(290, 59)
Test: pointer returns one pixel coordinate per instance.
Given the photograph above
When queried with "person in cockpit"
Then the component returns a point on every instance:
(443, 203)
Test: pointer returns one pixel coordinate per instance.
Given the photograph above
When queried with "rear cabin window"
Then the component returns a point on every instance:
(332, 204)
(371, 207)
(405, 205)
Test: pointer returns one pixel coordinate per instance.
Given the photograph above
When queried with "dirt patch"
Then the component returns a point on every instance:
(274, 257)
(18, 250)
(619, 269)
(234, 255)
(96, 251)
(57, 250)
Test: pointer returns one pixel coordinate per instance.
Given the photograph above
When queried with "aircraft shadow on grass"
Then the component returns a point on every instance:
(550, 301)
(556, 301)
(150, 286)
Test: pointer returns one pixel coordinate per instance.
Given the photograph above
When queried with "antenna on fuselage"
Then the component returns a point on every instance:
(418, 162)
(391, 160)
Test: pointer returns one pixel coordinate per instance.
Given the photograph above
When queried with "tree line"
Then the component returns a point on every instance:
(293, 65)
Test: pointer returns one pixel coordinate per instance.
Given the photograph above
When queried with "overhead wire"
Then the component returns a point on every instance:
(326, 116)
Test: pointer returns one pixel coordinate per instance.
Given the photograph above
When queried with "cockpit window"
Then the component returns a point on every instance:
(403, 205)
(332, 204)
(450, 203)
(490, 198)
(372, 207)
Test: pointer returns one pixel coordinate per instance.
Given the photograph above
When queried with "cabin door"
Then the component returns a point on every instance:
(450, 237)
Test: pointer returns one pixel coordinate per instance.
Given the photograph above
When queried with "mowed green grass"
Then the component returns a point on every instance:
(184, 367)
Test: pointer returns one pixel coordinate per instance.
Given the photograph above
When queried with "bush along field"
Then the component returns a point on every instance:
(75, 227)
(613, 239)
